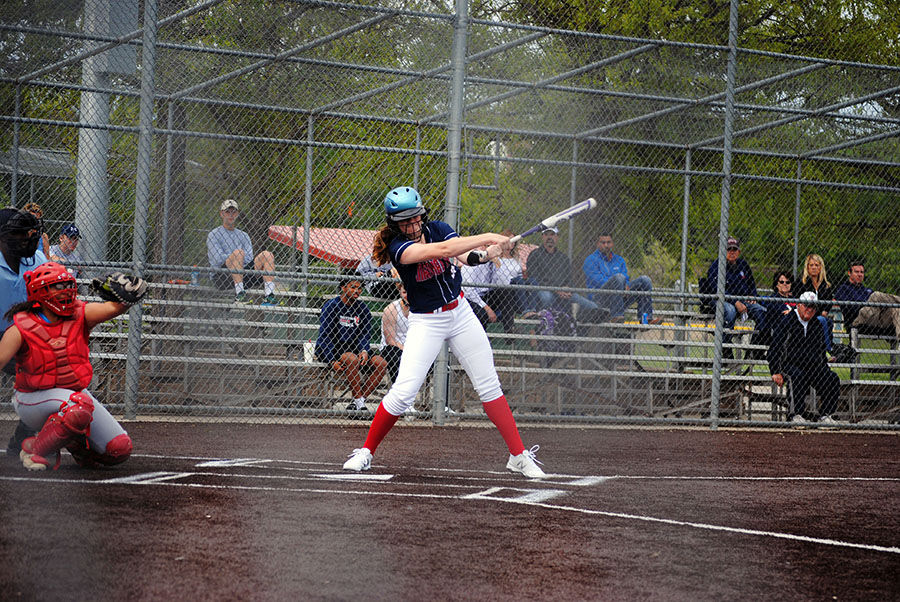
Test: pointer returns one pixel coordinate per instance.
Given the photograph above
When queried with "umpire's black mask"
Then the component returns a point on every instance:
(20, 233)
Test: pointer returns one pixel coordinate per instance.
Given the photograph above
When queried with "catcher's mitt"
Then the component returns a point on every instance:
(120, 287)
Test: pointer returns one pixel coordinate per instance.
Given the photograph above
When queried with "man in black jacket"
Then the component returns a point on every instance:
(797, 354)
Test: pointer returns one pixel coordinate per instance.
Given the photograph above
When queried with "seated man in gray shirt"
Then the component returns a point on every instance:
(229, 247)
(384, 289)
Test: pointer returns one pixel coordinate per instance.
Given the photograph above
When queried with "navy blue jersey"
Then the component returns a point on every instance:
(429, 284)
(343, 328)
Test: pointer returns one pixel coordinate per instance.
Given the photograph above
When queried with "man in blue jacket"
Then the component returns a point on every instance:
(605, 270)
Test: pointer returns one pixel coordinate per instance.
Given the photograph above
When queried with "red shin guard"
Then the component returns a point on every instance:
(117, 451)
(500, 414)
(72, 420)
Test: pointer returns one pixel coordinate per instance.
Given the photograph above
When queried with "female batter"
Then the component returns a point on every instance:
(49, 338)
(421, 252)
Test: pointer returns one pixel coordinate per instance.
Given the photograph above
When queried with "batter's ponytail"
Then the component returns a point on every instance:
(380, 247)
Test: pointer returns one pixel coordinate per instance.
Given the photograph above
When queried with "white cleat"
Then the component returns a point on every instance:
(526, 463)
(360, 459)
(30, 464)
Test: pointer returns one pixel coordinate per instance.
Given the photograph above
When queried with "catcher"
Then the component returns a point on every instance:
(49, 338)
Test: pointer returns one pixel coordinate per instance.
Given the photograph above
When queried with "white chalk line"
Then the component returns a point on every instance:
(740, 478)
(667, 521)
(486, 496)
(348, 477)
(577, 479)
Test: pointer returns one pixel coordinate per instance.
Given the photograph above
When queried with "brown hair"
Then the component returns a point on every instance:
(380, 246)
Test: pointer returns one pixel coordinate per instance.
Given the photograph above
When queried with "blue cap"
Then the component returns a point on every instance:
(71, 231)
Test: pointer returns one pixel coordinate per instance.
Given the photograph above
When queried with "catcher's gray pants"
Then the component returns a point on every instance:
(34, 408)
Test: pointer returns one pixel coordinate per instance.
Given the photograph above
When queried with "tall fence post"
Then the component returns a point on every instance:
(141, 201)
(451, 206)
(91, 179)
(797, 197)
(723, 218)
(14, 176)
(167, 189)
(307, 215)
(685, 223)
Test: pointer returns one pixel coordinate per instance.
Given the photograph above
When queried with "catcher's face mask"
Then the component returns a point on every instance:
(52, 285)
(21, 234)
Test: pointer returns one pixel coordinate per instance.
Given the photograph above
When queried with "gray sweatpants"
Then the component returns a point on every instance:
(34, 408)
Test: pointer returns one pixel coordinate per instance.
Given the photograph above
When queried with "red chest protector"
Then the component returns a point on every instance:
(54, 355)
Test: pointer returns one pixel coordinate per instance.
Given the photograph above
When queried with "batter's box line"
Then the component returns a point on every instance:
(711, 527)
(518, 495)
(147, 478)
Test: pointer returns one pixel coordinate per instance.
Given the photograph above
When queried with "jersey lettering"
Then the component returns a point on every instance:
(427, 270)
(348, 321)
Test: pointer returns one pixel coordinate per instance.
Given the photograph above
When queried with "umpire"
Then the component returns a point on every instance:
(20, 234)
(797, 355)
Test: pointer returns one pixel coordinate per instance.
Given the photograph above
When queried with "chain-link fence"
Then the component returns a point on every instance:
(157, 129)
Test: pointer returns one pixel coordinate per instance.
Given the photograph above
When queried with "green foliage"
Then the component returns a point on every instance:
(662, 267)
(268, 174)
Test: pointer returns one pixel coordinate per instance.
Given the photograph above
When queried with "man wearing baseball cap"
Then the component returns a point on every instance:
(550, 269)
(64, 252)
(230, 248)
(739, 283)
(797, 357)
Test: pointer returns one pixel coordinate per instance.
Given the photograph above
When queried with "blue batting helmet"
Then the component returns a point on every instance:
(403, 203)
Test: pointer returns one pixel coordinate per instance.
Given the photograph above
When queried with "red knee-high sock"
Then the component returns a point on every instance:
(381, 424)
(500, 414)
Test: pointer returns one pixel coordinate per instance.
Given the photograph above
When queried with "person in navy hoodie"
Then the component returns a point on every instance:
(739, 283)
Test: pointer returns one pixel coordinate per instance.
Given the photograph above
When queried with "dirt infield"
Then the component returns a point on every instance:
(263, 512)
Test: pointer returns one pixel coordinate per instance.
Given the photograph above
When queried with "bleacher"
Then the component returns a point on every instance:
(635, 370)
(203, 355)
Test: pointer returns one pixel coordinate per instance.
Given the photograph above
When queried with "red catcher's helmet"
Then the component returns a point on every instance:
(43, 284)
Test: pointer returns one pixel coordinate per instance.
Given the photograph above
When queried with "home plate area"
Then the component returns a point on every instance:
(269, 475)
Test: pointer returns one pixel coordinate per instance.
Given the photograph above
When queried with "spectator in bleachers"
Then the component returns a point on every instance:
(549, 268)
(394, 326)
(474, 276)
(797, 355)
(379, 289)
(776, 306)
(35, 210)
(65, 252)
(229, 247)
(495, 304)
(739, 282)
(605, 270)
(877, 318)
(815, 279)
(345, 328)
(852, 290)
(509, 302)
